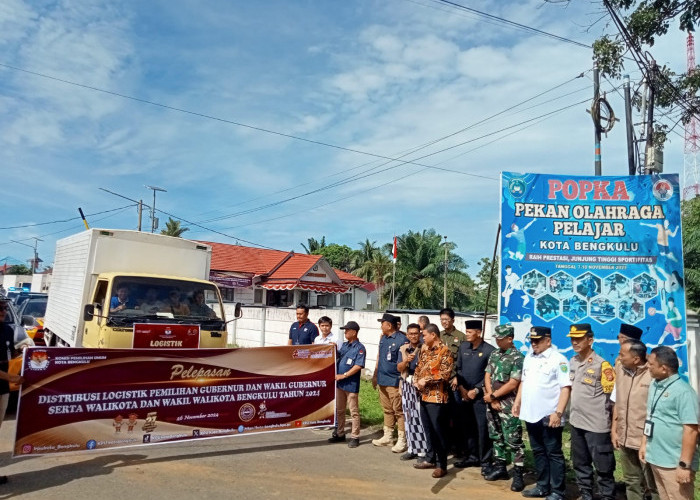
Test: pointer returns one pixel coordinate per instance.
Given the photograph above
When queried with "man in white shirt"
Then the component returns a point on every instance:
(327, 336)
(540, 403)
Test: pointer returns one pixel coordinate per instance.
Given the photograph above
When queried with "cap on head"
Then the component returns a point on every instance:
(473, 324)
(580, 330)
(390, 318)
(631, 331)
(503, 331)
(537, 332)
(351, 325)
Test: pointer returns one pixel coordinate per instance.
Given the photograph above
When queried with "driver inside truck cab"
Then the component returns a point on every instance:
(121, 301)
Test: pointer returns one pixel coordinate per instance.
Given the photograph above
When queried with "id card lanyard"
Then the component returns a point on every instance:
(648, 424)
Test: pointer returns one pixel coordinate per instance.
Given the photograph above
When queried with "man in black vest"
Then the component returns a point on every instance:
(7, 352)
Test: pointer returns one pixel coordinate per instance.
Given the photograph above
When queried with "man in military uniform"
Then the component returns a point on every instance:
(452, 338)
(503, 374)
(592, 382)
(472, 357)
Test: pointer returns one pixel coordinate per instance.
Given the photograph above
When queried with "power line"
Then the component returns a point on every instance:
(336, 200)
(514, 24)
(203, 115)
(429, 143)
(64, 220)
(413, 162)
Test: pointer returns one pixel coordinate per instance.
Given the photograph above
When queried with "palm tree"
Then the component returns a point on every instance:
(173, 228)
(314, 245)
(420, 271)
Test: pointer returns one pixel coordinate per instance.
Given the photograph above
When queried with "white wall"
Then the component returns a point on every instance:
(269, 326)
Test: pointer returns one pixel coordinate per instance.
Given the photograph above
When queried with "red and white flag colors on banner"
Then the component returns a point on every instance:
(393, 252)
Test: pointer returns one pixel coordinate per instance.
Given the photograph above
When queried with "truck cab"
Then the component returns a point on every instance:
(119, 301)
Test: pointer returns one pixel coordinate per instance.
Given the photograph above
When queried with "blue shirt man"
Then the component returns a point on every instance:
(350, 354)
(386, 376)
(349, 364)
(302, 330)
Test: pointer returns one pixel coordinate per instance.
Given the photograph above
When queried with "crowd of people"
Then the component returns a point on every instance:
(449, 392)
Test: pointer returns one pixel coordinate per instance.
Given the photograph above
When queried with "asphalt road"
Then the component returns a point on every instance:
(287, 465)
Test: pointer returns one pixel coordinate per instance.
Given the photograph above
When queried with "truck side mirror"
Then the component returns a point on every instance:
(89, 312)
(238, 310)
(27, 320)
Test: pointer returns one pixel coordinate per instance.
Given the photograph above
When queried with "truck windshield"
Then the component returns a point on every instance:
(134, 296)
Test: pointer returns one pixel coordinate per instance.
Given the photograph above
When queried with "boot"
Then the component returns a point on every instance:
(498, 471)
(400, 445)
(387, 439)
(518, 483)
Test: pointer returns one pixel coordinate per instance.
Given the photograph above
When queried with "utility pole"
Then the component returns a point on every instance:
(140, 212)
(596, 119)
(154, 221)
(650, 119)
(35, 262)
(444, 288)
(631, 166)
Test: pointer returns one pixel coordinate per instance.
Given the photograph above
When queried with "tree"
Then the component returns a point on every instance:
(482, 286)
(376, 270)
(19, 269)
(339, 256)
(420, 268)
(314, 245)
(636, 30)
(691, 251)
(173, 228)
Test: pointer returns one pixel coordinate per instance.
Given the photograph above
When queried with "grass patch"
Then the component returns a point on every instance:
(371, 412)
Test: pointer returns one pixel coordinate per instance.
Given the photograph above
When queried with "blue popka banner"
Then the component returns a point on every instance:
(598, 250)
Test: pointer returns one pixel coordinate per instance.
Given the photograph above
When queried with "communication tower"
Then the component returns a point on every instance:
(691, 169)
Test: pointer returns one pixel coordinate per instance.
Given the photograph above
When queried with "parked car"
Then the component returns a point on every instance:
(21, 339)
(19, 299)
(32, 313)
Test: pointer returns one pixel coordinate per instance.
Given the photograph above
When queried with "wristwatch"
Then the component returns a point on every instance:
(683, 465)
(559, 414)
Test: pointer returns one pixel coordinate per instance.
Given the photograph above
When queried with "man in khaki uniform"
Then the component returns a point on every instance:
(632, 380)
(592, 382)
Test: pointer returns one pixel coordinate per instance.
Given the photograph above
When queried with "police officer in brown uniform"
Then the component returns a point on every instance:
(592, 382)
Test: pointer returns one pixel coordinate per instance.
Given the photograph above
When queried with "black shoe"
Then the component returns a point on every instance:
(554, 496)
(536, 492)
(498, 471)
(3, 479)
(486, 469)
(518, 483)
(335, 438)
(408, 456)
(353, 442)
(463, 464)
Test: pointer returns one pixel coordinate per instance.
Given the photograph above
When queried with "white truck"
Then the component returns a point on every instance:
(110, 285)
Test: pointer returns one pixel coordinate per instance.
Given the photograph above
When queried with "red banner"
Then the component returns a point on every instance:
(85, 399)
(149, 335)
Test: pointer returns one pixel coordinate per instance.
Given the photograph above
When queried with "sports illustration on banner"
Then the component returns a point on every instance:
(598, 250)
(77, 399)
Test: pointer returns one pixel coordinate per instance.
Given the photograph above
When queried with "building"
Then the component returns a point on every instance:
(282, 279)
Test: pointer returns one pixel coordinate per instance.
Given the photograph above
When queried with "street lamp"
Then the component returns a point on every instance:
(153, 208)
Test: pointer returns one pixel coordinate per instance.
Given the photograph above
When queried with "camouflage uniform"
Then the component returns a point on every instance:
(504, 429)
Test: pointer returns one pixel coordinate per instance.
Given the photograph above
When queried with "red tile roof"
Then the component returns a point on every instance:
(276, 265)
(241, 259)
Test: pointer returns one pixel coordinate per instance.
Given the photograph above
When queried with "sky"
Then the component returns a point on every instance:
(271, 122)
